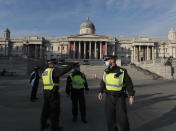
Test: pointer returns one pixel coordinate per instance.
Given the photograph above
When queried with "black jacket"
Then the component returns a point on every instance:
(69, 87)
(127, 82)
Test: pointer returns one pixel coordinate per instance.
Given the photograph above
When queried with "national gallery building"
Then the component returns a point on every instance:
(89, 45)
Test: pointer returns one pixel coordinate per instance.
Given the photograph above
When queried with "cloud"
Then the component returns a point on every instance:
(161, 24)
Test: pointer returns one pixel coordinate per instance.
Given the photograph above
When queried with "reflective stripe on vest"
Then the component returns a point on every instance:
(77, 81)
(113, 83)
(47, 79)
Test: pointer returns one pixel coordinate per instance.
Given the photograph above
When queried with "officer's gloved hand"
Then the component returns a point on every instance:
(118, 74)
(107, 70)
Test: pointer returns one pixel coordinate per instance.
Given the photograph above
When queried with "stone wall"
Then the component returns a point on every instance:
(13, 64)
(166, 71)
(18, 65)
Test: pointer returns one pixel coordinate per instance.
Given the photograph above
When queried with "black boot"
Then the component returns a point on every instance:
(45, 127)
(84, 120)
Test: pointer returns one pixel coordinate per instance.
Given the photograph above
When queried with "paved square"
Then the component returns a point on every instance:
(154, 108)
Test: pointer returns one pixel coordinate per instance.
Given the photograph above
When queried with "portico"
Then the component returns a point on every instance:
(88, 49)
(142, 52)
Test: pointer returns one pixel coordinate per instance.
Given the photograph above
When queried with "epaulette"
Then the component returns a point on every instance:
(123, 69)
(107, 70)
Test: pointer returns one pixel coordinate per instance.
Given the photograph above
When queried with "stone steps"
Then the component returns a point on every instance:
(90, 72)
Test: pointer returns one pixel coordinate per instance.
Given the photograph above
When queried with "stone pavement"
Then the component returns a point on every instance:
(154, 108)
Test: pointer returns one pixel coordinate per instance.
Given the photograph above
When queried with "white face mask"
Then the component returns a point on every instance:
(107, 63)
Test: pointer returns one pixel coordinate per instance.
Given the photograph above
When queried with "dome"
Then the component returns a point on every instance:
(172, 30)
(172, 34)
(87, 27)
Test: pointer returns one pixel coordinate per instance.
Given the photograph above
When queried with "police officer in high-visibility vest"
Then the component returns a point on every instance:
(115, 83)
(76, 84)
(51, 105)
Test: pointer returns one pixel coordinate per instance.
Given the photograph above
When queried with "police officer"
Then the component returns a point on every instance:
(51, 105)
(34, 81)
(76, 84)
(114, 83)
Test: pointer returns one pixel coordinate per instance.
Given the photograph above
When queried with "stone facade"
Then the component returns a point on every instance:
(89, 45)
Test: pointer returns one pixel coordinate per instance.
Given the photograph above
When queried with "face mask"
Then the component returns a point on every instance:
(107, 63)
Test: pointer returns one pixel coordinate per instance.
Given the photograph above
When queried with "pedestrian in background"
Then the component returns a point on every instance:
(34, 82)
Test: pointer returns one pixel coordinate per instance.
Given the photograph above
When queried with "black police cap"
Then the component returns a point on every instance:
(51, 61)
(109, 57)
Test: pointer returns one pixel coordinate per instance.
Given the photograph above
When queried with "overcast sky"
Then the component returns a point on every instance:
(56, 18)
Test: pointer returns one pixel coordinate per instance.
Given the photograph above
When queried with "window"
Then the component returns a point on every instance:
(58, 48)
(62, 47)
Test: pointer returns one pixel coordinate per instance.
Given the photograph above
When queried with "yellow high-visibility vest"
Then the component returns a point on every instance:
(77, 81)
(113, 83)
(47, 79)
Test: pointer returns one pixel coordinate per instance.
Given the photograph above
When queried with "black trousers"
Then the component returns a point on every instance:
(78, 98)
(34, 91)
(116, 114)
(51, 110)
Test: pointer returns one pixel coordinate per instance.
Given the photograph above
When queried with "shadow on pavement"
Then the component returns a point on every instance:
(164, 82)
(166, 119)
(151, 101)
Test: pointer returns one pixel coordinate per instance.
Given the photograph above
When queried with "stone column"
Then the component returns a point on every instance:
(174, 52)
(36, 52)
(100, 50)
(41, 51)
(106, 48)
(134, 53)
(79, 50)
(95, 50)
(90, 51)
(5, 50)
(147, 52)
(139, 53)
(152, 52)
(61, 51)
(69, 50)
(84, 50)
(74, 50)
